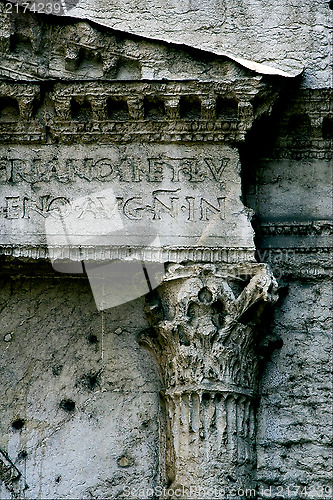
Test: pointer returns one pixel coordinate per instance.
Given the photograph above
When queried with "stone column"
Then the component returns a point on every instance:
(205, 333)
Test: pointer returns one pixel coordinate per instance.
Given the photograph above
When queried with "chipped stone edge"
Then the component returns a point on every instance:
(257, 67)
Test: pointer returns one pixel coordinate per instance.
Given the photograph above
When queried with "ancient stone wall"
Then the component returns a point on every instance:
(293, 172)
(210, 375)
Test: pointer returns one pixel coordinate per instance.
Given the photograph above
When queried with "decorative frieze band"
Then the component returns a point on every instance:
(160, 112)
(296, 237)
(314, 228)
(93, 253)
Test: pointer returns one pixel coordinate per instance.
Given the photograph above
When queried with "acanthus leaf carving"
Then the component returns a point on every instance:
(211, 335)
(205, 326)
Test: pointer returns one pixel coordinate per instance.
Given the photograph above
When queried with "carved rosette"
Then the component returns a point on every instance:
(205, 334)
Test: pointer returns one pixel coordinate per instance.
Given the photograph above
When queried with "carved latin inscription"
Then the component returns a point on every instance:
(188, 196)
(161, 205)
(127, 169)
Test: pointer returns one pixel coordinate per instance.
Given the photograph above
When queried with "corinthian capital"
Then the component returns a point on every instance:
(205, 330)
(205, 326)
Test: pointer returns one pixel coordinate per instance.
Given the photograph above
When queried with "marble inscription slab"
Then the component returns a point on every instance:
(156, 196)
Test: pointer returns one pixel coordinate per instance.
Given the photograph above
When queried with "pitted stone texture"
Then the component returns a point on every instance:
(295, 415)
(87, 396)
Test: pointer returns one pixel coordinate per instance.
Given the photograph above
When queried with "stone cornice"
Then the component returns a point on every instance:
(303, 126)
(125, 112)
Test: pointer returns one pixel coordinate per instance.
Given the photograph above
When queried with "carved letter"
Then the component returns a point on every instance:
(30, 205)
(155, 170)
(160, 206)
(133, 212)
(12, 207)
(217, 171)
(207, 208)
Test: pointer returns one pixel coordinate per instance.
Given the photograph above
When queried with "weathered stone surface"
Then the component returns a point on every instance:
(205, 333)
(83, 407)
(80, 50)
(282, 35)
(62, 350)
